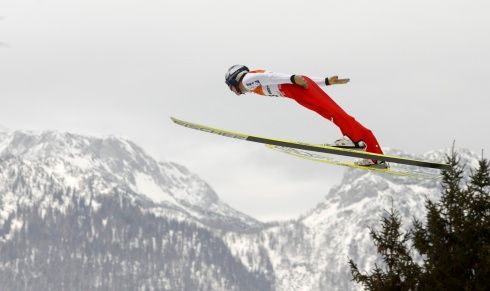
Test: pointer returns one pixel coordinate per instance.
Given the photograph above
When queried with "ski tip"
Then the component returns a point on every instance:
(175, 120)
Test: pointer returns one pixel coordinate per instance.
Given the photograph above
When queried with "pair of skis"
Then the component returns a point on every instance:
(321, 153)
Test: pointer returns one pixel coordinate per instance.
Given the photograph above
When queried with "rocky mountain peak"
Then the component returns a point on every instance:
(97, 166)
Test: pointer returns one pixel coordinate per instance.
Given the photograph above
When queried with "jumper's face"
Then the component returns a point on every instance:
(237, 92)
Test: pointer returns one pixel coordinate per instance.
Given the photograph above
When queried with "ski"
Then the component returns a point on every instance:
(319, 157)
(312, 147)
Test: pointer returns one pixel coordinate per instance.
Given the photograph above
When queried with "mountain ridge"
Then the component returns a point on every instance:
(77, 161)
(51, 171)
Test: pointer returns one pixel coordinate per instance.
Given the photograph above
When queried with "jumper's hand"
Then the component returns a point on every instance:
(335, 80)
(301, 81)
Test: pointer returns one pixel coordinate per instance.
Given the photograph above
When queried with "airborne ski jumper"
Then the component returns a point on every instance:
(307, 92)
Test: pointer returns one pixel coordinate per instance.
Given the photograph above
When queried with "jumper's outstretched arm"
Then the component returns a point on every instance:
(300, 80)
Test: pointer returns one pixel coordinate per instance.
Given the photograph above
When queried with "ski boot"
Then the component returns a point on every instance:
(347, 143)
(372, 164)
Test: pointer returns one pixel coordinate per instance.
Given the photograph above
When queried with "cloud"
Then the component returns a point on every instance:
(1, 42)
(402, 65)
(265, 184)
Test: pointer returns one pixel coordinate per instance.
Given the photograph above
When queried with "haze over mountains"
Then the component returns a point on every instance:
(79, 212)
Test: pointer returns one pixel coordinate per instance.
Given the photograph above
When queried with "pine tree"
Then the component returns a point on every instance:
(454, 240)
(478, 227)
(439, 240)
(400, 271)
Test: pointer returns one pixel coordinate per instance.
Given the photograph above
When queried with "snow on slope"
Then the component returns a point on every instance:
(98, 166)
(312, 252)
(308, 253)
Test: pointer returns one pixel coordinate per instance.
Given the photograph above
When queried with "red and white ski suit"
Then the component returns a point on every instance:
(314, 98)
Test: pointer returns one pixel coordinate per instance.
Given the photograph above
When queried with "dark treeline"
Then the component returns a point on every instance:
(111, 244)
(449, 250)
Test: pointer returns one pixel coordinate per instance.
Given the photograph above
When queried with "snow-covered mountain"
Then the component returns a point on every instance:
(312, 252)
(103, 207)
(97, 166)
(85, 213)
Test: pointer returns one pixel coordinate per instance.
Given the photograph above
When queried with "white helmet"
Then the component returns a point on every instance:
(235, 74)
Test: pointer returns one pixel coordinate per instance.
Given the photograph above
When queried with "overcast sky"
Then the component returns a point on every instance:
(419, 79)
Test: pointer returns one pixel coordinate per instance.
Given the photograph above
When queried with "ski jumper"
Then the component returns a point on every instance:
(314, 98)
